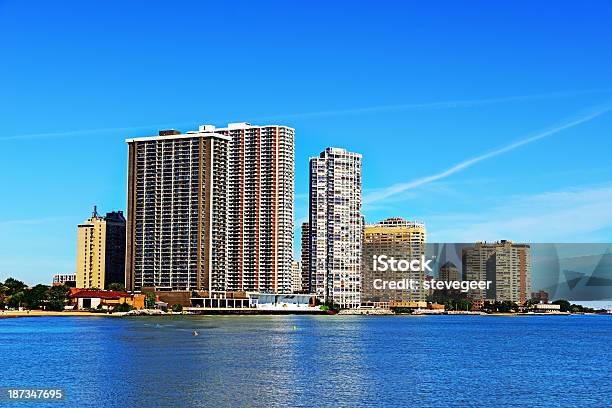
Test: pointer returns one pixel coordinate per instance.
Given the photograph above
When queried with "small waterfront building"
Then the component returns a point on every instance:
(276, 301)
(253, 300)
(546, 308)
(92, 299)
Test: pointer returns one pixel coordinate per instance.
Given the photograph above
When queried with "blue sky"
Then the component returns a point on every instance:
(417, 87)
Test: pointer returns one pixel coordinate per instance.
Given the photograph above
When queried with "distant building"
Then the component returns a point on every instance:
(402, 240)
(505, 264)
(477, 305)
(305, 258)
(101, 251)
(336, 227)
(296, 277)
(541, 296)
(68, 279)
(449, 272)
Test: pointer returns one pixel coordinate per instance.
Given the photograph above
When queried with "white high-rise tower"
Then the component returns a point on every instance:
(336, 227)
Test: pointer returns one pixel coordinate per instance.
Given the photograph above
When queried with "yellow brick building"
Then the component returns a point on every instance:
(101, 251)
(398, 238)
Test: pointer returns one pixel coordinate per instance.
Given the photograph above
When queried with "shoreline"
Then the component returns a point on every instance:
(224, 312)
(8, 314)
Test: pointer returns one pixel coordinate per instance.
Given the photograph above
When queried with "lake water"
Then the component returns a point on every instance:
(485, 361)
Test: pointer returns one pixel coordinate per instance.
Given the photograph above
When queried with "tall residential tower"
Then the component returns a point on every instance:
(336, 227)
(177, 212)
(260, 207)
(212, 209)
(505, 264)
(305, 258)
(101, 251)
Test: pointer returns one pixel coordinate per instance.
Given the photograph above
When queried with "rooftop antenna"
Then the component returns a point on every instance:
(94, 214)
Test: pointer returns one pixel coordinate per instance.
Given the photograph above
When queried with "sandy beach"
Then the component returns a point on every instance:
(37, 313)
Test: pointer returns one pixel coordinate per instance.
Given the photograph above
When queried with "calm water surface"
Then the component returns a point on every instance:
(395, 361)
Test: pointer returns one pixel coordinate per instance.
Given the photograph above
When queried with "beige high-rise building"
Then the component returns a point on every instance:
(101, 251)
(402, 240)
(505, 264)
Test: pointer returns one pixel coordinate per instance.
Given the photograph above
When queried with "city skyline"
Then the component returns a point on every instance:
(449, 135)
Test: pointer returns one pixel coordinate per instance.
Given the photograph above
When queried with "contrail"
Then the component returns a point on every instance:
(68, 133)
(466, 103)
(401, 187)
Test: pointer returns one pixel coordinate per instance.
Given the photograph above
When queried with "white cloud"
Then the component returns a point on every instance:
(395, 189)
(566, 216)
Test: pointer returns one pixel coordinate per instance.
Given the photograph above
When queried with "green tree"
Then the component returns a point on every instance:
(565, 305)
(14, 285)
(57, 297)
(177, 308)
(119, 287)
(150, 300)
(506, 306)
(3, 295)
(532, 302)
(35, 297)
(16, 299)
(123, 307)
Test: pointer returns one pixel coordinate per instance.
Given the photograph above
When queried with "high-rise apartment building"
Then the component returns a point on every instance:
(336, 227)
(260, 207)
(212, 210)
(449, 272)
(177, 212)
(505, 264)
(305, 252)
(399, 239)
(296, 277)
(101, 251)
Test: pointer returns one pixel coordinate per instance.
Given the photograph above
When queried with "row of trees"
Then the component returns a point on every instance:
(16, 294)
(451, 299)
(455, 300)
(572, 308)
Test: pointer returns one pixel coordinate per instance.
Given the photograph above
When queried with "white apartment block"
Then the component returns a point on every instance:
(336, 227)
